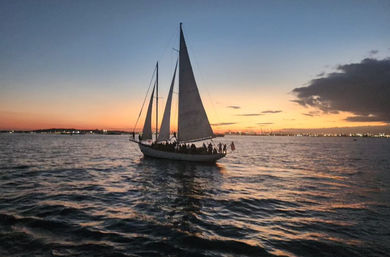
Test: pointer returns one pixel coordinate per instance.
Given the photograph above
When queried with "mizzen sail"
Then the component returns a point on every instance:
(147, 130)
(166, 122)
(193, 123)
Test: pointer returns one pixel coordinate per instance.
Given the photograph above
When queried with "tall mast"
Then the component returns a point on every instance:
(178, 86)
(156, 101)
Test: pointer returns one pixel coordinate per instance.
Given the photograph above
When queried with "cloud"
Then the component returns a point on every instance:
(223, 124)
(373, 52)
(271, 111)
(312, 113)
(360, 88)
(363, 118)
(233, 107)
(249, 114)
(259, 114)
(265, 123)
(301, 102)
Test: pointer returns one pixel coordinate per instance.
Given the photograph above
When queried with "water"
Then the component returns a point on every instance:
(95, 195)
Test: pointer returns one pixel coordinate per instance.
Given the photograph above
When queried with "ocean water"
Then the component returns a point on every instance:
(96, 195)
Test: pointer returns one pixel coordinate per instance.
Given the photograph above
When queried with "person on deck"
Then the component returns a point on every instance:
(193, 148)
(210, 148)
(203, 150)
(232, 146)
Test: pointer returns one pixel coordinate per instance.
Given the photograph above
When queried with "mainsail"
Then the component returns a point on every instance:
(165, 124)
(193, 123)
(147, 130)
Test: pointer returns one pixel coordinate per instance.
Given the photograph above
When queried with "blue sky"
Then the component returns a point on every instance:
(89, 49)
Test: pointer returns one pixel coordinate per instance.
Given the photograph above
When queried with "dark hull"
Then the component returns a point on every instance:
(155, 153)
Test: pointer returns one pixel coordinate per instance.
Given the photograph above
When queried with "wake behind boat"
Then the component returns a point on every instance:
(193, 124)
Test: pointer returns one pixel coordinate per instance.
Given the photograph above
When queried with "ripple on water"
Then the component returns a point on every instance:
(96, 196)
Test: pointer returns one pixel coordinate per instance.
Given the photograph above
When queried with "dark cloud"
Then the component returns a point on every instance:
(265, 123)
(223, 124)
(271, 111)
(312, 113)
(373, 52)
(233, 107)
(363, 118)
(360, 88)
(249, 114)
(339, 130)
(301, 102)
(321, 74)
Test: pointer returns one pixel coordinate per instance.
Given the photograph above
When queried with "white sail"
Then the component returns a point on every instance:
(165, 124)
(147, 130)
(193, 123)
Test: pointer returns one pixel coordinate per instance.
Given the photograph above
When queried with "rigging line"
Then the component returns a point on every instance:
(175, 101)
(164, 50)
(173, 92)
(147, 92)
(150, 83)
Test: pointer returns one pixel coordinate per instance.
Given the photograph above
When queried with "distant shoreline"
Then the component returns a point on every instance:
(71, 131)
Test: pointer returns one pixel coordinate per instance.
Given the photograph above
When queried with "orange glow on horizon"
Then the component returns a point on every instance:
(123, 117)
(86, 110)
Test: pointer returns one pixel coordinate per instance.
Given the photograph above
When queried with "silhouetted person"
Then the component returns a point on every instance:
(224, 148)
(193, 148)
(232, 146)
(210, 148)
(220, 147)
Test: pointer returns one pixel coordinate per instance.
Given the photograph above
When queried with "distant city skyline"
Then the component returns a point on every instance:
(259, 65)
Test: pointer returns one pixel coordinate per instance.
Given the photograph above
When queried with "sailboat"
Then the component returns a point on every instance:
(193, 124)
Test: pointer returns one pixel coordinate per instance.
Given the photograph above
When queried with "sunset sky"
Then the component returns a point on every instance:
(259, 65)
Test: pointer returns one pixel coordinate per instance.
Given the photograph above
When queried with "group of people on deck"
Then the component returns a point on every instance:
(189, 148)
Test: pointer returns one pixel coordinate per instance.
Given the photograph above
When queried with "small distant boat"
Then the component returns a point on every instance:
(193, 124)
